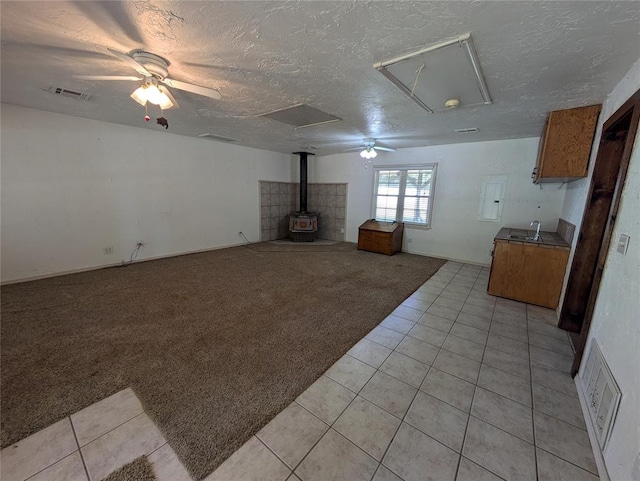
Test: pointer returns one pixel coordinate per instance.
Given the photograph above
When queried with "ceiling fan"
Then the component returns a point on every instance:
(154, 76)
(369, 151)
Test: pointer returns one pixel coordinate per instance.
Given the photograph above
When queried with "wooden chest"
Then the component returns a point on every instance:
(381, 237)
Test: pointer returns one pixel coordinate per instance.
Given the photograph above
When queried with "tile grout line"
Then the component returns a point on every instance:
(466, 429)
(470, 407)
(533, 422)
(484, 467)
(597, 474)
(380, 407)
(271, 451)
(52, 464)
(75, 435)
(111, 430)
(357, 394)
(475, 389)
(160, 447)
(398, 429)
(402, 420)
(347, 406)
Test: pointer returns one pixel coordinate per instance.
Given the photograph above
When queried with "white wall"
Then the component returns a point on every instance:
(616, 318)
(72, 186)
(456, 232)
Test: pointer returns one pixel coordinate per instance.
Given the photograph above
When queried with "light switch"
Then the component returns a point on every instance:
(623, 243)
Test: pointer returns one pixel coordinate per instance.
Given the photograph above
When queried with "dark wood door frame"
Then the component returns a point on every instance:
(603, 200)
(594, 222)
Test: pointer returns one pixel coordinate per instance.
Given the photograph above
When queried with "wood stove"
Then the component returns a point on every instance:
(303, 225)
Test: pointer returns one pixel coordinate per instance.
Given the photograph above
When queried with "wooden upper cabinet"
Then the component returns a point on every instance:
(565, 146)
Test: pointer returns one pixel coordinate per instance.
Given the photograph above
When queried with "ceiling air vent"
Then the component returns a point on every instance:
(470, 130)
(301, 115)
(72, 94)
(219, 138)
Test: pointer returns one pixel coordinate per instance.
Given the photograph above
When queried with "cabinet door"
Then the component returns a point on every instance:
(506, 270)
(535, 175)
(529, 273)
(545, 268)
(566, 144)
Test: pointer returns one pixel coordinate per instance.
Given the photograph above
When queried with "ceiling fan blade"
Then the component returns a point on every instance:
(166, 91)
(353, 150)
(195, 89)
(110, 17)
(131, 62)
(385, 149)
(107, 77)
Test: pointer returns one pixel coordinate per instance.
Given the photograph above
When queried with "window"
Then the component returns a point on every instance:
(404, 194)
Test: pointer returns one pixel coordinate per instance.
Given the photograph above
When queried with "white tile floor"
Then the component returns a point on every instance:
(453, 385)
(91, 444)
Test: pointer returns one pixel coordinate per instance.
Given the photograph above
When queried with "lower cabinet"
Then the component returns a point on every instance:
(531, 273)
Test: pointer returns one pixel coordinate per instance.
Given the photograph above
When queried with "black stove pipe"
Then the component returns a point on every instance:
(303, 180)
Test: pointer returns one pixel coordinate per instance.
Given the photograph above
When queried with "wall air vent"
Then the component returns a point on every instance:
(601, 392)
(219, 138)
(72, 94)
(301, 115)
(470, 130)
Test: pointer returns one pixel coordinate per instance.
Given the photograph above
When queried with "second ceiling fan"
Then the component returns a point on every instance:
(369, 151)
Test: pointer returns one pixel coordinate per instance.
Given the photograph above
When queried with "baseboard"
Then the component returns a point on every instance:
(117, 264)
(176, 254)
(595, 445)
(452, 259)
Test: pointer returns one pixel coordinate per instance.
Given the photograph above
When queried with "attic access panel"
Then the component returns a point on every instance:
(301, 115)
(435, 74)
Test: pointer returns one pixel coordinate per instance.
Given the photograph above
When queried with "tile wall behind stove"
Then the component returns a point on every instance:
(279, 199)
(331, 201)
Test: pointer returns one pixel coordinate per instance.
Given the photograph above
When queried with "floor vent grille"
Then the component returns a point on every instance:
(602, 393)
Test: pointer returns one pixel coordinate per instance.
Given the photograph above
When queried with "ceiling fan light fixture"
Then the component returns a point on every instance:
(149, 92)
(368, 153)
(140, 95)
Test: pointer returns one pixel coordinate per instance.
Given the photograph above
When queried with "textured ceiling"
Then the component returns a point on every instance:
(263, 56)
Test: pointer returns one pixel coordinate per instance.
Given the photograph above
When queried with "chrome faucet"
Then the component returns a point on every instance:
(536, 237)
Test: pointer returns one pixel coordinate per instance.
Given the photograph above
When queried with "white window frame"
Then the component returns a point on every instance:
(401, 195)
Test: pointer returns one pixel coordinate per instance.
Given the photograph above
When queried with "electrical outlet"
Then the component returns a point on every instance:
(108, 250)
(409, 240)
(341, 231)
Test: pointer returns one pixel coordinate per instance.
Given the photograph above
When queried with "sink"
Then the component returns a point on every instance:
(521, 238)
